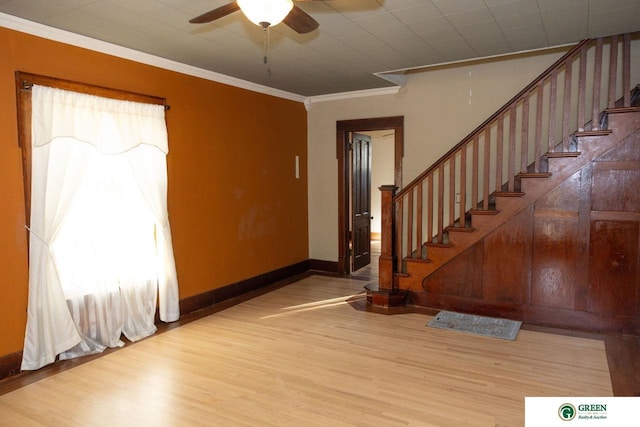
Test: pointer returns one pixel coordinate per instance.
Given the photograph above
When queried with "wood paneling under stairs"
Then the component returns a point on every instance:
(303, 355)
(564, 254)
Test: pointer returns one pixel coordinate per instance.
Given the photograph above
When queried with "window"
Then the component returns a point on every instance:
(100, 242)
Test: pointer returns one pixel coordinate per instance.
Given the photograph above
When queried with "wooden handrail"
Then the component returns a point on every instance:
(569, 55)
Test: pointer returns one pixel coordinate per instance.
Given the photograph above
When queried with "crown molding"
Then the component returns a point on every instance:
(67, 37)
(392, 90)
(391, 75)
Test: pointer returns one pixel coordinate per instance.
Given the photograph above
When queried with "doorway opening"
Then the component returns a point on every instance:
(354, 222)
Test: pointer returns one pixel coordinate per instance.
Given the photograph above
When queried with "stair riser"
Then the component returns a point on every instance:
(481, 223)
(530, 184)
(503, 203)
(459, 239)
(616, 120)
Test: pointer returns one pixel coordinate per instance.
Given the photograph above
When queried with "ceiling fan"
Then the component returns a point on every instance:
(265, 13)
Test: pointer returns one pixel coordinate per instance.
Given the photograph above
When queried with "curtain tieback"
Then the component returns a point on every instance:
(37, 235)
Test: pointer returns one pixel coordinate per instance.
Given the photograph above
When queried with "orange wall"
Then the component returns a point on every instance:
(235, 207)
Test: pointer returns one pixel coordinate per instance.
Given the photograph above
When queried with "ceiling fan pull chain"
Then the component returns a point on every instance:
(266, 49)
(265, 39)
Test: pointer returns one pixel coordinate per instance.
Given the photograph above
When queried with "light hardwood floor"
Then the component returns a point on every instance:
(302, 355)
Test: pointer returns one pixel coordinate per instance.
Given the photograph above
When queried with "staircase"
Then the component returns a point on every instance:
(522, 219)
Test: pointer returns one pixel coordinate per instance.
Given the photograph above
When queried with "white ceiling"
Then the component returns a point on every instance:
(356, 38)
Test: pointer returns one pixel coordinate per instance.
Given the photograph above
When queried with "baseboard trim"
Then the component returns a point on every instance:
(234, 290)
(325, 266)
(10, 364)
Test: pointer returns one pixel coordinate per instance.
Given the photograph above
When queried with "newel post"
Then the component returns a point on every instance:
(387, 296)
(387, 256)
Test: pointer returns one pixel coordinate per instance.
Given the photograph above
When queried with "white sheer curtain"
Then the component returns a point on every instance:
(100, 246)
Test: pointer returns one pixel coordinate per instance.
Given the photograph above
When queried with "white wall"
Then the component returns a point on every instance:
(382, 168)
(440, 107)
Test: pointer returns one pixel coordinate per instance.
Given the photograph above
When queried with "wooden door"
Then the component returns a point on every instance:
(361, 200)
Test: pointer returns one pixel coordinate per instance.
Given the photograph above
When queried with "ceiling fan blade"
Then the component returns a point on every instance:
(216, 13)
(299, 21)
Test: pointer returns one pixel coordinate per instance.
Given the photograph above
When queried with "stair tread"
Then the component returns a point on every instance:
(508, 194)
(602, 132)
(561, 154)
(461, 229)
(534, 174)
(484, 212)
(622, 110)
(422, 260)
(438, 245)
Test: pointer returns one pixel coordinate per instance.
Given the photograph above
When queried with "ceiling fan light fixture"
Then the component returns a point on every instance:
(271, 12)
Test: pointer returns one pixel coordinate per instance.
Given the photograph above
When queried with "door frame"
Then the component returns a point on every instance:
(395, 123)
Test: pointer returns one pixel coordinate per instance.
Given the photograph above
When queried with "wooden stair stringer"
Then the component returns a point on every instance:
(591, 147)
